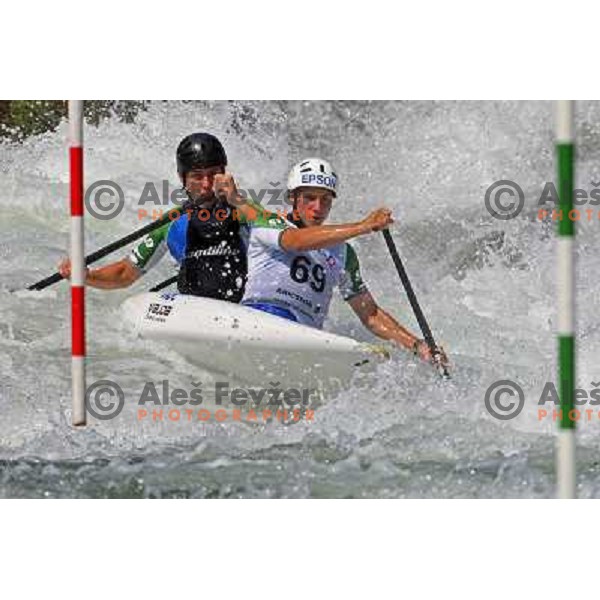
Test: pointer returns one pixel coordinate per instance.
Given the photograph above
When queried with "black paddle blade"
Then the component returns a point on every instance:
(44, 283)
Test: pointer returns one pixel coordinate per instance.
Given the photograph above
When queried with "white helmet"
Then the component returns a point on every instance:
(312, 172)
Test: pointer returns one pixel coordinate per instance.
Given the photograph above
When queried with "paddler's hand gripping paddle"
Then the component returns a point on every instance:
(173, 214)
(436, 353)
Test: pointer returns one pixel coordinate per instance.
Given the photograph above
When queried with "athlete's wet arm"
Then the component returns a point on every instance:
(247, 211)
(325, 236)
(320, 236)
(373, 317)
(117, 275)
(124, 272)
(380, 322)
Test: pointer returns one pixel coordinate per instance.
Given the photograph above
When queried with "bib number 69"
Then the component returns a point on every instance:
(303, 271)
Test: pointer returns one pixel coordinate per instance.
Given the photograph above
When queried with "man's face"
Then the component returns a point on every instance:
(200, 183)
(313, 205)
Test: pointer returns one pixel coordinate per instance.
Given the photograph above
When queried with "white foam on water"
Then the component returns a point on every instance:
(486, 286)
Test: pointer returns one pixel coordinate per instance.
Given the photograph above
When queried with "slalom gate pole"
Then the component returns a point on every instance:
(565, 458)
(116, 245)
(77, 262)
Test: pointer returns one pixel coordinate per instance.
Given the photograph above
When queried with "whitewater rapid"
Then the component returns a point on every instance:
(487, 287)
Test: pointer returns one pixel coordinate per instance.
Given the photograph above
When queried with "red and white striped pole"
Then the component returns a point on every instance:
(77, 262)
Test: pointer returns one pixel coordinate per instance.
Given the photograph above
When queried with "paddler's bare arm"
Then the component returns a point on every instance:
(324, 236)
(225, 187)
(114, 276)
(379, 322)
(383, 325)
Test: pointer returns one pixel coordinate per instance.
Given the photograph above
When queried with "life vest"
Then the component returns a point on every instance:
(207, 244)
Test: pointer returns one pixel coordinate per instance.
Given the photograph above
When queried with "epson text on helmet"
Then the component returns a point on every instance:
(319, 179)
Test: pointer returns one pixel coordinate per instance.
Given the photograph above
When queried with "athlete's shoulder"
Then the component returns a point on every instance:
(163, 230)
(351, 257)
(154, 237)
(351, 283)
(151, 247)
(269, 220)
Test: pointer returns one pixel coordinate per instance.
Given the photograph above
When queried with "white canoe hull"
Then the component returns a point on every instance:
(248, 345)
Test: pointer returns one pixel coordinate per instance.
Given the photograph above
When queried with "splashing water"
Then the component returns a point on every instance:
(487, 287)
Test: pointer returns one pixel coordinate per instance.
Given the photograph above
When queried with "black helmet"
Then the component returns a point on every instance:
(200, 151)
